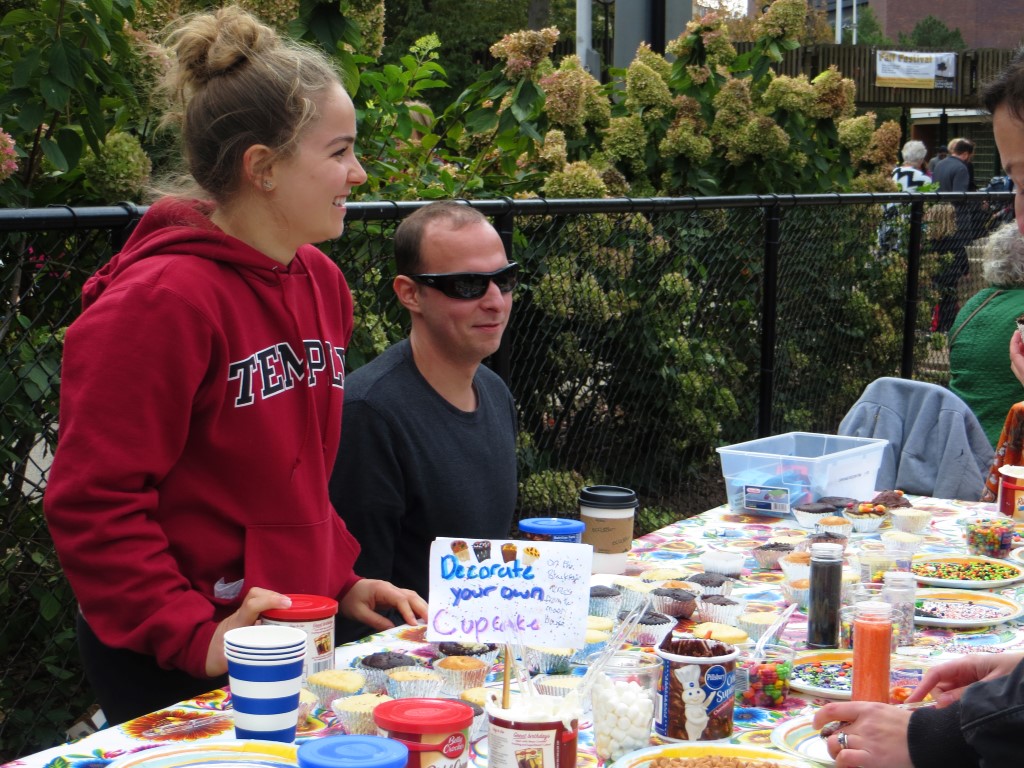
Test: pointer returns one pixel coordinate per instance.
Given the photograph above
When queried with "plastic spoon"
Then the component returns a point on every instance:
(774, 629)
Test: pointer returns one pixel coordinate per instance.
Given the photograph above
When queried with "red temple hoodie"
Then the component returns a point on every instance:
(200, 412)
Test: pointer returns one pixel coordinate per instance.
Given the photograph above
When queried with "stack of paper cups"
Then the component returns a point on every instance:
(265, 674)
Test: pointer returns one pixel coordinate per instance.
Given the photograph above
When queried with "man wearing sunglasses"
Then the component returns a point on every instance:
(428, 438)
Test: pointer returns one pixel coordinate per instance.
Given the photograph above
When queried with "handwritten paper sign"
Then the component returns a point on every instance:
(535, 592)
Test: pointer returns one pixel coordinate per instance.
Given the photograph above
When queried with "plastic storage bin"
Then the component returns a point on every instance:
(771, 475)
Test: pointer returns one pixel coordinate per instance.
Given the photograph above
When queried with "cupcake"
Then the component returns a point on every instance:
(461, 550)
(486, 652)
(634, 593)
(827, 537)
(807, 515)
(866, 517)
(722, 632)
(721, 609)
(663, 574)
(797, 591)
(308, 701)
(796, 565)
(478, 729)
(331, 684)
(377, 665)
(689, 586)
(839, 502)
(549, 661)
(712, 583)
(910, 519)
(678, 603)
(355, 713)
(767, 555)
(756, 623)
(604, 601)
(601, 623)
(413, 682)
(723, 562)
(482, 550)
(461, 672)
(593, 641)
(481, 696)
(901, 541)
(650, 629)
(891, 499)
(834, 524)
(556, 685)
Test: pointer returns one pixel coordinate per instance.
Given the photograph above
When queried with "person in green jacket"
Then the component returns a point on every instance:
(977, 347)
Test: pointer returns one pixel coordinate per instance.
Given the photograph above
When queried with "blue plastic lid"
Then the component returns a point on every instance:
(552, 526)
(353, 752)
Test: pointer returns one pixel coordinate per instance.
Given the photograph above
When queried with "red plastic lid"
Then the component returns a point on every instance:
(423, 715)
(304, 608)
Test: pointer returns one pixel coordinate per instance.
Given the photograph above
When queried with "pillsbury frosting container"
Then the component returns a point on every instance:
(551, 529)
(697, 689)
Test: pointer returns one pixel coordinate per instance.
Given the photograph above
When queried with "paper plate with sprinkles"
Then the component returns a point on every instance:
(966, 571)
(963, 608)
(829, 674)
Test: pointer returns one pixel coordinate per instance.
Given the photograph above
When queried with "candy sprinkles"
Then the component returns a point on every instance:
(956, 610)
(967, 571)
(829, 675)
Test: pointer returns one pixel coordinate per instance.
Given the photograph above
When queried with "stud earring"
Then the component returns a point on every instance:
(267, 185)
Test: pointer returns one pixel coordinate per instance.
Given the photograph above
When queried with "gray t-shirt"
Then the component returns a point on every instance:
(411, 466)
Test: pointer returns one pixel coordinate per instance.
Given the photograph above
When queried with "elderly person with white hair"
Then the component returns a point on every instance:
(910, 175)
(977, 340)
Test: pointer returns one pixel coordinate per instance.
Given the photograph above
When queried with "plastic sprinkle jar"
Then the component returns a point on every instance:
(436, 731)
(763, 681)
(315, 616)
(992, 537)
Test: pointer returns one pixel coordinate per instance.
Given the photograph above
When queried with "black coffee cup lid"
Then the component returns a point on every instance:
(608, 497)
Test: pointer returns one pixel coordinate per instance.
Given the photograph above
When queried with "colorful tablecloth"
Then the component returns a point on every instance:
(679, 545)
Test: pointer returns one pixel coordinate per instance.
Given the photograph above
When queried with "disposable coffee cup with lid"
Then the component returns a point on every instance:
(607, 513)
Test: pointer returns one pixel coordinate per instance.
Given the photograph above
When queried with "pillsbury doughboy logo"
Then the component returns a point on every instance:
(716, 677)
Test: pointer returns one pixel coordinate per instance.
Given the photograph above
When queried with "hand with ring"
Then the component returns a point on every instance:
(871, 736)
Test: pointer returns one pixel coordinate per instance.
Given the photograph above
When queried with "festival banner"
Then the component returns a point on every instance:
(915, 69)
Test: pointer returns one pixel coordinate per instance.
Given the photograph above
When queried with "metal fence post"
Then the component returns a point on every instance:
(501, 362)
(770, 287)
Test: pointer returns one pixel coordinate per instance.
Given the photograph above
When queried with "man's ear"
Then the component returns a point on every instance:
(407, 291)
(258, 167)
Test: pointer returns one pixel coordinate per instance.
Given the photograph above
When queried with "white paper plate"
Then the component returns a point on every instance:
(228, 754)
(1010, 608)
(799, 738)
(967, 583)
(642, 757)
(903, 672)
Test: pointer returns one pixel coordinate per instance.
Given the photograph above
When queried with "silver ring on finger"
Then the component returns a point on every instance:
(843, 740)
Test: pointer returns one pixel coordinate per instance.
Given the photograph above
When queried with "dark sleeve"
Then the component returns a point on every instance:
(367, 488)
(983, 729)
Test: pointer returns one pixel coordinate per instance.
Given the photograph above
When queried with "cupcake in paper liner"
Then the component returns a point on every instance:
(487, 652)
(827, 537)
(650, 629)
(461, 550)
(478, 729)
(807, 515)
(413, 682)
(910, 519)
(547, 660)
(663, 574)
(901, 541)
(839, 502)
(797, 591)
(712, 583)
(602, 623)
(756, 623)
(891, 499)
(796, 565)
(594, 640)
(355, 713)
(330, 684)
(308, 701)
(634, 593)
(556, 685)
(604, 601)
(767, 555)
(721, 561)
(866, 517)
(461, 672)
(678, 603)
(376, 666)
(530, 555)
(835, 524)
(720, 609)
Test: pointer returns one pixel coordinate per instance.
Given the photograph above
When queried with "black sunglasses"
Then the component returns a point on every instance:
(471, 285)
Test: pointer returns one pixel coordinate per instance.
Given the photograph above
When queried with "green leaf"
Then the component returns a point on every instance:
(30, 116)
(49, 606)
(55, 93)
(71, 146)
(22, 16)
(54, 154)
(480, 120)
(23, 70)
(350, 77)
(527, 99)
(66, 63)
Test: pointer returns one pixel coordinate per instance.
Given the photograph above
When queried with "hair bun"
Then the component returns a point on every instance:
(215, 44)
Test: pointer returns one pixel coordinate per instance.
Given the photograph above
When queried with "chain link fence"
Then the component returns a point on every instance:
(645, 334)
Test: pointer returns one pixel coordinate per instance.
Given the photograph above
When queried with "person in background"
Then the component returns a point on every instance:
(979, 716)
(977, 363)
(428, 444)
(202, 385)
(909, 174)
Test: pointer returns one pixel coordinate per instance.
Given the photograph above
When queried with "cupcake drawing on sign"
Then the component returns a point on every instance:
(461, 550)
(482, 550)
(530, 555)
(508, 552)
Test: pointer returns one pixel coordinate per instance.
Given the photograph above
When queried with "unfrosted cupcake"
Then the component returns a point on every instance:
(835, 524)
(721, 609)
(710, 630)
(355, 713)
(767, 555)
(901, 541)
(413, 682)
(678, 603)
(594, 640)
(377, 665)
(604, 600)
(482, 696)
(796, 565)
(547, 660)
(910, 519)
(601, 623)
(712, 583)
(756, 623)
(308, 701)
(660, 575)
(723, 562)
(634, 593)
(331, 684)
(556, 685)
(797, 591)
(461, 672)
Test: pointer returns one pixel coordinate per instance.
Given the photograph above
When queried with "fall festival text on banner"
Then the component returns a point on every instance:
(497, 591)
(915, 69)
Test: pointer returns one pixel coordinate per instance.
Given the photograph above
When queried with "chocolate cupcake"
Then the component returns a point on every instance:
(807, 515)
(651, 628)
(712, 583)
(891, 499)
(767, 555)
(721, 609)
(487, 652)
(839, 502)
(376, 665)
(674, 602)
(482, 550)
(604, 601)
